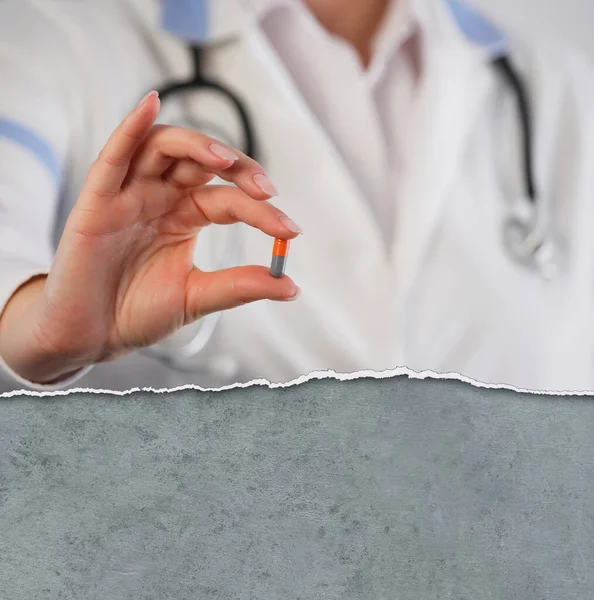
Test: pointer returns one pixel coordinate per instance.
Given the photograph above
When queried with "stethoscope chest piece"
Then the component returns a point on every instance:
(529, 244)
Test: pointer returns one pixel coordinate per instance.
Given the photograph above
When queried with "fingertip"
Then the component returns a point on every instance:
(146, 100)
(290, 225)
(257, 187)
(148, 108)
(224, 153)
(264, 185)
(255, 193)
(290, 290)
(294, 296)
(276, 289)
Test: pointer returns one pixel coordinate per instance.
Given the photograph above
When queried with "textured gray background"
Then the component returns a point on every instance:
(390, 489)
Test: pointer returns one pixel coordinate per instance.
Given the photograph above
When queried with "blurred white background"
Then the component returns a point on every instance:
(567, 20)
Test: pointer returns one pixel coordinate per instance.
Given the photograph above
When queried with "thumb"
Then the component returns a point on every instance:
(228, 288)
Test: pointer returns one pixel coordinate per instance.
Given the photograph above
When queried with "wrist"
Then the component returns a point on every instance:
(22, 345)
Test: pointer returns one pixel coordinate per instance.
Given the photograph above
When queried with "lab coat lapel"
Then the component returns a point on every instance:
(276, 84)
(455, 87)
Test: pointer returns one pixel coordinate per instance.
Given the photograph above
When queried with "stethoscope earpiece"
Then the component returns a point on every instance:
(530, 247)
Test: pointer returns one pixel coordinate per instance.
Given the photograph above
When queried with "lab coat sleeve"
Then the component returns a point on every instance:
(35, 127)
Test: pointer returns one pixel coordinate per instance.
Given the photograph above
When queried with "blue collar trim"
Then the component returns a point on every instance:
(186, 19)
(478, 30)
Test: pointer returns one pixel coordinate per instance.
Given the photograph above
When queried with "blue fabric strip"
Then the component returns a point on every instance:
(478, 29)
(35, 144)
(186, 19)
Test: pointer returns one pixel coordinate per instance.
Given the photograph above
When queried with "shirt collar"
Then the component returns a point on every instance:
(209, 21)
(403, 20)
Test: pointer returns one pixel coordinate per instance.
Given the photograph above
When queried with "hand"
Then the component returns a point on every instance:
(123, 276)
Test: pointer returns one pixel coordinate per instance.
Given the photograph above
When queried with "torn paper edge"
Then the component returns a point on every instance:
(313, 376)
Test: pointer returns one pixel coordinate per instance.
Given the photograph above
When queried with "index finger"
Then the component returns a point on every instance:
(109, 171)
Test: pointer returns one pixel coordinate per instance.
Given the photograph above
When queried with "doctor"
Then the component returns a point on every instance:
(386, 133)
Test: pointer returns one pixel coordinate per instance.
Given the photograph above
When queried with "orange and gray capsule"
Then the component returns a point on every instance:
(280, 252)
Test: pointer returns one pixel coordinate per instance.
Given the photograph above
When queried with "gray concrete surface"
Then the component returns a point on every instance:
(392, 490)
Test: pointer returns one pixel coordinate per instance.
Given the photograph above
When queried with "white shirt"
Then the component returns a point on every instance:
(376, 102)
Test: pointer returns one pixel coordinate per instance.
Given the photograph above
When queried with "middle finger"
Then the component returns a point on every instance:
(165, 145)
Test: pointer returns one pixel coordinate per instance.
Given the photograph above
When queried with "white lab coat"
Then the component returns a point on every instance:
(446, 297)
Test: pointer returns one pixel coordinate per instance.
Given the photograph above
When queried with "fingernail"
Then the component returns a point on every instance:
(290, 224)
(265, 184)
(149, 95)
(294, 297)
(223, 152)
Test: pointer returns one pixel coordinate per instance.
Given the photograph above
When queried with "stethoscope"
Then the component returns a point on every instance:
(527, 234)
(527, 230)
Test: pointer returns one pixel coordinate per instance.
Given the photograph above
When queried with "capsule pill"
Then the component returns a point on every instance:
(280, 253)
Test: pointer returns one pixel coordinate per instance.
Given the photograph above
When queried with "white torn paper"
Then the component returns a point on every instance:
(314, 375)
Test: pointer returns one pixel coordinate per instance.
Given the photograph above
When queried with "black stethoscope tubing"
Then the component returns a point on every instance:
(505, 68)
(199, 82)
